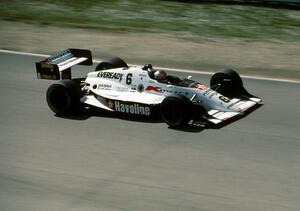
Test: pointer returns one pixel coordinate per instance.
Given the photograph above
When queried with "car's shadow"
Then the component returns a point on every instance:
(194, 127)
(88, 113)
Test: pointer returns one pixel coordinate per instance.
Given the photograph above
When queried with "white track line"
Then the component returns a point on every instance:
(23, 53)
(168, 69)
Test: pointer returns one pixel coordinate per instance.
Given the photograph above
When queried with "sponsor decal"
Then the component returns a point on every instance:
(153, 88)
(60, 55)
(104, 86)
(47, 65)
(121, 89)
(127, 108)
(47, 77)
(133, 87)
(112, 75)
(142, 75)
(210, 93)
(207, 92)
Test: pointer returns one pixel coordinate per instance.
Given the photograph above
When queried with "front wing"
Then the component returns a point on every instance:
(240, 106)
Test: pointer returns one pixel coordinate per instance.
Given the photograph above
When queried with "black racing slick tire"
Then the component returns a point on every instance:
(63, 97)
(175, 110)
(114, 62)
(227, 82)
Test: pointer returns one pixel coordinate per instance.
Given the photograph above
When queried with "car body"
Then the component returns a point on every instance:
(118, 88)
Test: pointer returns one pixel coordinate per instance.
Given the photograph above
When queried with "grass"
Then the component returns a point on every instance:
(180, 19)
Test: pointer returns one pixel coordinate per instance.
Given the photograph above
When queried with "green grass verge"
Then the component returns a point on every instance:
(181, 19)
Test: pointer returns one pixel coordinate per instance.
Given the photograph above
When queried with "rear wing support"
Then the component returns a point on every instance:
(58, 66)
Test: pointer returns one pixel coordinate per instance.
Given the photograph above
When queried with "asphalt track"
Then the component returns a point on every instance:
(105, 163)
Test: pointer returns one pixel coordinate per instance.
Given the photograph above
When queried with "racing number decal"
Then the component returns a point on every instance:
(224, 99)
(129, 79)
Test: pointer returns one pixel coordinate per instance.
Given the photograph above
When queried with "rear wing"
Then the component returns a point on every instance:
(58, 66)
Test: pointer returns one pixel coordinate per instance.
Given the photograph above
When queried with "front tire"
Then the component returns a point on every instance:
(175, 110)
(63, 97)
(227, 82)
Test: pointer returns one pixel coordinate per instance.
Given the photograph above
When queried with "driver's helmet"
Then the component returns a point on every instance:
(148, 67)
(160, 75)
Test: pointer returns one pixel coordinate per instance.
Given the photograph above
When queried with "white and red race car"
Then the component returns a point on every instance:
(142, 91)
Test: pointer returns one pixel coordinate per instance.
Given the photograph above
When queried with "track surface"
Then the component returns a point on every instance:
(104, 163)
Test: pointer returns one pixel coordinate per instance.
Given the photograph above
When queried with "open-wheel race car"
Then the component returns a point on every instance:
(142, 91)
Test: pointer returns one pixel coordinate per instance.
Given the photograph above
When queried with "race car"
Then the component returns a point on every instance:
(142, 91)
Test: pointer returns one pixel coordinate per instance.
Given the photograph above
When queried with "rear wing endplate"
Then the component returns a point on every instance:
(58, 66)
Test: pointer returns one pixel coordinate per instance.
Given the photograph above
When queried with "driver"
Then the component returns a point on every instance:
(159, 75)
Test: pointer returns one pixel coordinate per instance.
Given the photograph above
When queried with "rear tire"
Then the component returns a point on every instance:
(175, 110)
(227, 82)
(111, 63)
(63, 97)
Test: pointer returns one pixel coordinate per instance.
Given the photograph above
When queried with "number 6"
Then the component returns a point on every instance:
(129, 79)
